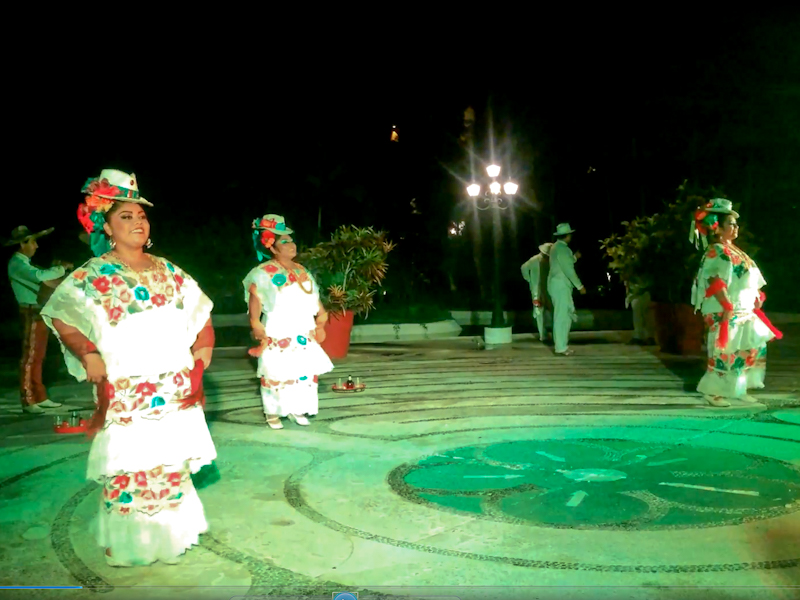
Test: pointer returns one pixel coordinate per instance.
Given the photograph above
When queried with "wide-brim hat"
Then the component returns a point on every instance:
(22, 233)
(545, 248)
(720, 205)
(274, 223)
(563, 229)
(115, 185)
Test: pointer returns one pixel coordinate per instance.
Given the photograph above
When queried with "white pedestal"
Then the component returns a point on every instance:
(495, 336)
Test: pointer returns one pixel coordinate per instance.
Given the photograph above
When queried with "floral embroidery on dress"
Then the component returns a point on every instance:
(279, 385)
(147, 492)
(138, 397)
(737, 361)
(122, 291)
(282, 277)
(284, 343)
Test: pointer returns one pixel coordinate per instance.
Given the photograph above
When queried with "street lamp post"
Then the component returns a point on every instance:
(497, 197)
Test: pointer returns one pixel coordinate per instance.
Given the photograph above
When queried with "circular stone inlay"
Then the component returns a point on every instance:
(603, 484)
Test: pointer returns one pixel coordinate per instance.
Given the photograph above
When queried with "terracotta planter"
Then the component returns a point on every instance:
(337, 335)
(679, 330)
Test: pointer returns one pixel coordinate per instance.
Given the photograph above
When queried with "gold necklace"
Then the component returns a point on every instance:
(118, 258)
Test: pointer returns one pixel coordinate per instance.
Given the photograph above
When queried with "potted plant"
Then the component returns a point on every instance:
(653, 254)
(348, 269)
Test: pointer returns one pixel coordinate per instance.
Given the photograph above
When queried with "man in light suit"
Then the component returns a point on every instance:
(560, 283)
(28, 283)
(535, 271)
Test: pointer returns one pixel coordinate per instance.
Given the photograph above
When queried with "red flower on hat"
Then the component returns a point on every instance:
(268, 223)
(267, 238)
(85, 219)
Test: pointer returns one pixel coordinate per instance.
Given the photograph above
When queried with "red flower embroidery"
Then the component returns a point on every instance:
(736, 259)
(174, 479)
(712, 253)
(146, 389)
(711, 363)
(750, 360)
(125, 296)
(724, 357)
(141, 479)
(115, 314)
(727, 251)
(126, 420)
(80, 275)
(110, 391)
(292, 277)
(178, 379)
(122, 481)
(117, 280)
(159, 300)
(102, 284)
(284, 343)
(113, 495)
(271, 269)
(316, 379)
(124, 509)
(163, 494)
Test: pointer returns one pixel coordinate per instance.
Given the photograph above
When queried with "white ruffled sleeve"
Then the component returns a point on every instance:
(265, 290)
(196, 304)
(70, 304)
(716, 265)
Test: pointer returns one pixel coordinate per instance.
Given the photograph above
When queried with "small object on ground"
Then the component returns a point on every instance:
(349, 386)
(72, 425)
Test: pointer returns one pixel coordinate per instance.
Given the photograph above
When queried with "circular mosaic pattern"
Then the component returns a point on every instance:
(603, 484)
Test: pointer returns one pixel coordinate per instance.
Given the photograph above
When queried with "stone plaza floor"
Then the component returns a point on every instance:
(459, 472)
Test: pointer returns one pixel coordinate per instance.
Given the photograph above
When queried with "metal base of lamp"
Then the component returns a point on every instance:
(496, 336)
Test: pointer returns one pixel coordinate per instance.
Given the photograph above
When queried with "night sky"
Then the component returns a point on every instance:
(647, 101)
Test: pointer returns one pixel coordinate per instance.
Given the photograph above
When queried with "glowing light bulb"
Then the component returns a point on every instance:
(510, 188)
(493, 170)
(474, 189)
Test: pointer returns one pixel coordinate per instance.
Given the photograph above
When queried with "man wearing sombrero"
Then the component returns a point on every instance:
(560, 283)
(535, 271)
(26, 282)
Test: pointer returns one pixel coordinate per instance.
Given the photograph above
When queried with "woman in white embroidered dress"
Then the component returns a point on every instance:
(138, 327)
(288, 319)
(728, 292)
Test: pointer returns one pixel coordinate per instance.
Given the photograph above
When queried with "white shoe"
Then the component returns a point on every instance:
(33, 409)
(49, 404)
(750, 399)
(565, 353)
(274, 422)
(717, 401)
(300, 419)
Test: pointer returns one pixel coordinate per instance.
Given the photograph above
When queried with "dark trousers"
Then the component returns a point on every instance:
(34, 348)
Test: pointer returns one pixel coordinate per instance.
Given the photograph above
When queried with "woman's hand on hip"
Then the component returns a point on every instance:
(258, 331)
(95, 368)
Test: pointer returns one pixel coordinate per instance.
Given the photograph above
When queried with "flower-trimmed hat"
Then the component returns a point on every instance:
(545, 248)
(114, 185)
(274, 223)
(720, 205)
(101, 193)
(706, 220)
(265, 231)
(22, 233)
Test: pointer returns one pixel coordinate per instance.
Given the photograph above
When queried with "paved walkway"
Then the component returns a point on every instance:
(457, 471)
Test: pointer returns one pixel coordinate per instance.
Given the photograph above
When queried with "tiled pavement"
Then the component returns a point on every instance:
(458, 472)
